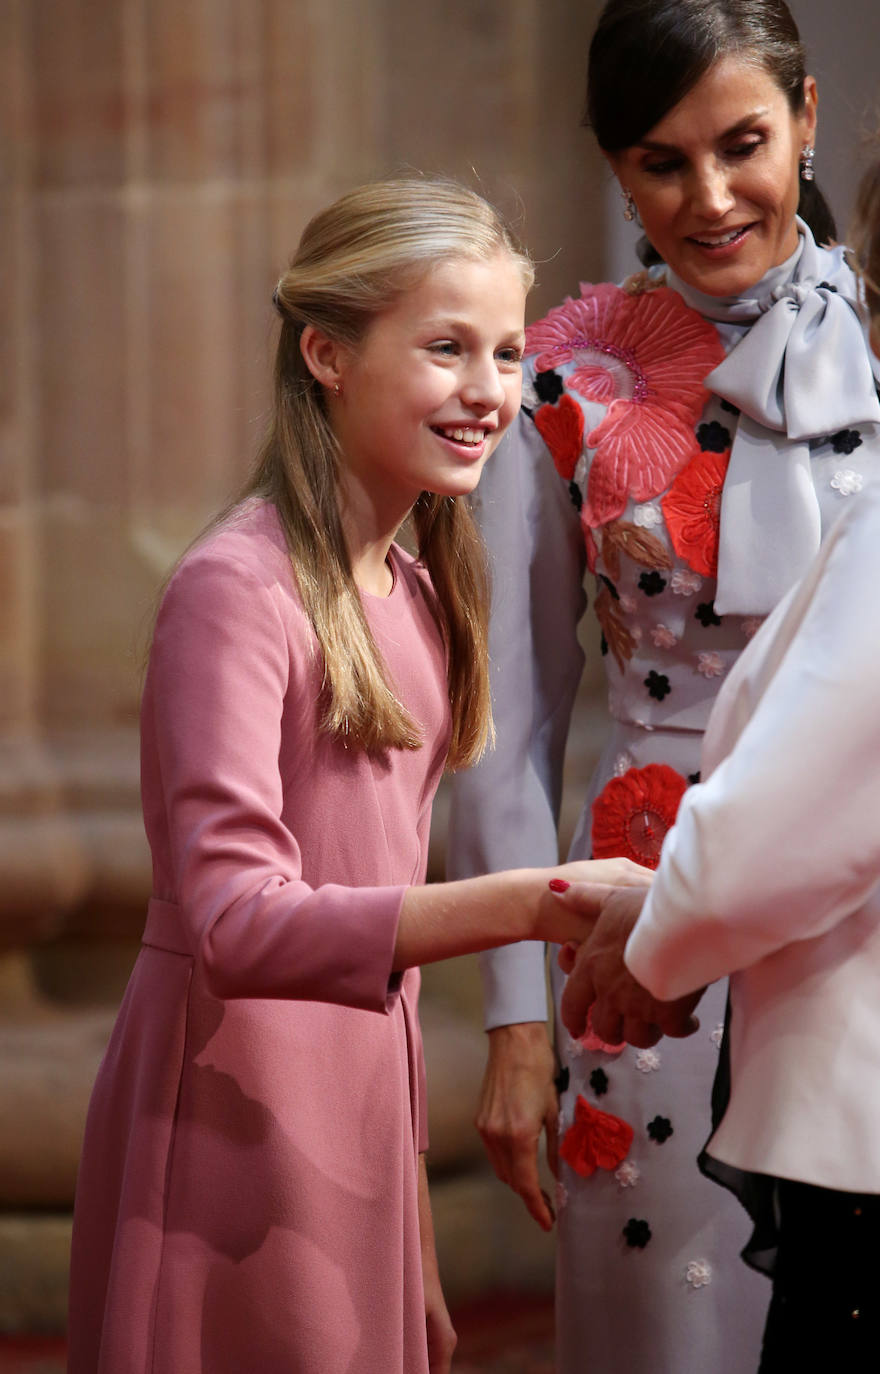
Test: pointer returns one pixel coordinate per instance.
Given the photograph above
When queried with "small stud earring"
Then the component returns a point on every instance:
(629, 205)
(337, 389)
(807, 157)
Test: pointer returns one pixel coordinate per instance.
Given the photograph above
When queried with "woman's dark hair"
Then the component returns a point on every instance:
(647, 54)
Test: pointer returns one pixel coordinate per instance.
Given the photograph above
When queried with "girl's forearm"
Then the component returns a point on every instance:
(442, 920)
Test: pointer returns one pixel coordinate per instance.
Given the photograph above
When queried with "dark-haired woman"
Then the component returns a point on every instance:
(686, 438)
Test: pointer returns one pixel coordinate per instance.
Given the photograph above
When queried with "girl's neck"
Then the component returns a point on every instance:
(369, 533)
(372, 571)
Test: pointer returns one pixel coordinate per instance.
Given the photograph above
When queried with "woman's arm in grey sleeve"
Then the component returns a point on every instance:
(504, 812)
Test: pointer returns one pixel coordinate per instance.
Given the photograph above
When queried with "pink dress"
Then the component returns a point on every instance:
(247, 1197)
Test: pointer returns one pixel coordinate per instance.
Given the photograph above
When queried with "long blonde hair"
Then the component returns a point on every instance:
(354, 260)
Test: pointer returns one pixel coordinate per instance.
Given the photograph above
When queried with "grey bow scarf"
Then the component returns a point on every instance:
(802, 370)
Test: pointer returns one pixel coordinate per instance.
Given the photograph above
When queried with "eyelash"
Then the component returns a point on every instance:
(447, 348)
(740, 152)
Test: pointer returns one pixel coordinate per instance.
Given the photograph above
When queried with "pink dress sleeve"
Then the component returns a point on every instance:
(230, 668)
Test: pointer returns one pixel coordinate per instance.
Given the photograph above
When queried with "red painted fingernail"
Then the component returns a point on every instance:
(558, 885)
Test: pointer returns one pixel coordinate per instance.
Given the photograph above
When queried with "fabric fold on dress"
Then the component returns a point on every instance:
(801, 371)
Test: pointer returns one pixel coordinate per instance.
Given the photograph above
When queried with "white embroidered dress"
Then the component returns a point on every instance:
(618, 463)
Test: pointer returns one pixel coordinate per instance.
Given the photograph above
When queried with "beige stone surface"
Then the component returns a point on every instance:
(48, 1062)
(34, 1266)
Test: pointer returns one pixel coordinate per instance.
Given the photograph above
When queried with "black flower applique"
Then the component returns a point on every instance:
(693, 778)
(730, 407)
(548, 387)
(706, 614)
(599, 1082)
(577, 496)
(713, 437)
(636, 1233)
(826, 286)
(660, 1129)
(846, 441)
(560, 1082)
(652, 584)
(657, 685)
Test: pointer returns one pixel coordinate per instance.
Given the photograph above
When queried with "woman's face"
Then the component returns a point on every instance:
(716, 181)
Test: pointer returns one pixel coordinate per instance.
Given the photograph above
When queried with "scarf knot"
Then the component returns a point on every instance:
(801, 371)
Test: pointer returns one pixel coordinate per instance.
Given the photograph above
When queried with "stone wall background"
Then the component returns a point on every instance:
(160, 158)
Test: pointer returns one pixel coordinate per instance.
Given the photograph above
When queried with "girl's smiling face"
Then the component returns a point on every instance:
(717, 181)
(425, 398)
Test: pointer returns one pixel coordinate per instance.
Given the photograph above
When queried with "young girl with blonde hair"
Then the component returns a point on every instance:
(252, 1194)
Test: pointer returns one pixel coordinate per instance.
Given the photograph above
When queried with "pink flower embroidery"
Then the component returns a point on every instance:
(710, 664)
(663, 637)
(645, 358)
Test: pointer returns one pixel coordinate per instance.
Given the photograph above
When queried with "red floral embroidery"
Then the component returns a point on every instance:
(644, 357)
(692, 508)
(562, 429)
(633, 813)
(596, 1140)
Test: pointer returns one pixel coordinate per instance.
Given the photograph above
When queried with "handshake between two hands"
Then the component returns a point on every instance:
(598, 979)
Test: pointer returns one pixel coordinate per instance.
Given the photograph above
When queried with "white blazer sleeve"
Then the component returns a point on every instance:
(504, 812)
(783, 839)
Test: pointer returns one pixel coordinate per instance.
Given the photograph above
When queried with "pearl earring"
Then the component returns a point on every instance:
(629, 205)
(807, 156)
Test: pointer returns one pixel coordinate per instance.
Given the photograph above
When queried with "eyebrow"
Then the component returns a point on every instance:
(649, 145)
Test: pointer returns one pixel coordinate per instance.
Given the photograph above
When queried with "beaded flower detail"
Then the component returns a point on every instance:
(595, 1140)
(660, 1129)
(698, 1273)
(647, 1061)
(628, 1174)
(645, 358)
(692, 508)
(847, 482)
(637, 1233)
(632, 814)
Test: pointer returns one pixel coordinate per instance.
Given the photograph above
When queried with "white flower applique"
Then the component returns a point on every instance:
(647, 517)
(622, 764)
(698, 1273)
(717, 1035)
(847, 482)
(710, 664)
(628, 603)
(751, 625)
(628, 1174)
(647, 1061)
(684, 582)
(663, 637)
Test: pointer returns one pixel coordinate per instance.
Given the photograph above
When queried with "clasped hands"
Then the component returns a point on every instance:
(599, 981)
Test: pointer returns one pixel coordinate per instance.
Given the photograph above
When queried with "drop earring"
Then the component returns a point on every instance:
(807, 157)
(629, 205)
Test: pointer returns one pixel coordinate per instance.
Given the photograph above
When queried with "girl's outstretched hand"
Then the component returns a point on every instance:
(563, 921)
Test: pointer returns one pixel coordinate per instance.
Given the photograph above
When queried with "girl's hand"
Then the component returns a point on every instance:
(438, 1325)
(561, 922)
